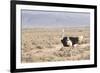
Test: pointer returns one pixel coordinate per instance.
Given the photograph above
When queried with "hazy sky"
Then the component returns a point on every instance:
(31, 18)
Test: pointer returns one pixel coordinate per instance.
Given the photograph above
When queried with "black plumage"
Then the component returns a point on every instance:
(74, 40)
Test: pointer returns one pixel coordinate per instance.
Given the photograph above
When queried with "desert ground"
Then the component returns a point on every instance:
(44, 45)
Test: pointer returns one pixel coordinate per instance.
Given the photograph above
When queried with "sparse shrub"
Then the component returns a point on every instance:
(49, 45)
(26, 58)
(57, 42)
(39, 47)
(75, 52)
(63, 52)
(87, 48)
(33, 43)
(80, 30)
(86, 57)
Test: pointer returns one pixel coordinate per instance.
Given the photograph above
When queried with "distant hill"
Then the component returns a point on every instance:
(54, 19)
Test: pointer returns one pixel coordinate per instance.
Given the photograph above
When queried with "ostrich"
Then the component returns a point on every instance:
(70, 41)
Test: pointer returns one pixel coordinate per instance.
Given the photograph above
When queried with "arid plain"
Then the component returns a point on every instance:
(44, 45)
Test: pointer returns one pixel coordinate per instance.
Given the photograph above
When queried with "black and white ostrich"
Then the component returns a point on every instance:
(70, 41)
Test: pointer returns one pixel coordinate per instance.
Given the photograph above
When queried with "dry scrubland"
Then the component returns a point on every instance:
(42, 44)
